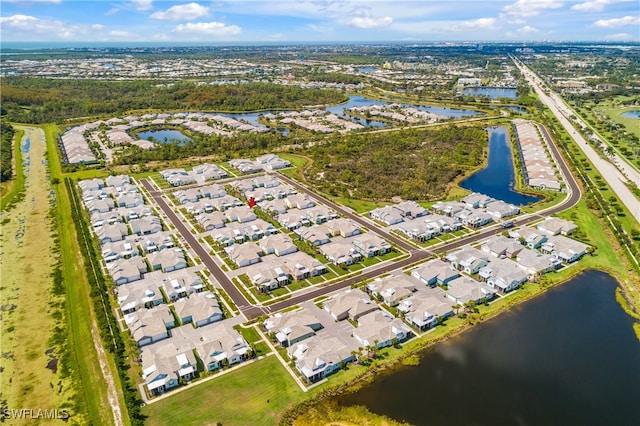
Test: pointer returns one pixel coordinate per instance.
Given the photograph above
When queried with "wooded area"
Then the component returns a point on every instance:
(412, 164)
(36, 100)
(6, 153)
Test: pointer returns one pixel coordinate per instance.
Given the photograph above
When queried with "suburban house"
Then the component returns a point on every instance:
(244, 254)
(275, 207)
(299, 201)
(435, 272)
(503, 275)
(112, 233)
(146, 225)
(340, 253)
(129, 200)
(199, 309)
(292, 327)
(91, 184)
(464, 289)
(500, 209)
(392, 289)
(118, 250)
(388, 214)
(314, 235)
(164, 366)
(342, 227)
(476, 200)
(449, 208)
(350, 304)
(226, 202)
(370, 245)
(127, 270)
(210, 171)
(267, 276)
(320, 214)
(468, 259)
(530, 237)
(100, 205)
(535, 263)
(278, 244)
(425, 310)
(138, 295)
(300, 265)
(118, 181)
(167, 260)
(150, 325)
(241, 214)
(316, 358)
(501, 246)
(555, 226)
(563, 248)
(220, 345)
(211, 221)
(381, 330)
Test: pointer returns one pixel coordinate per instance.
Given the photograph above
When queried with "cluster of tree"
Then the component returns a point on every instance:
(36, 100)
(412, 164)
(6, 151)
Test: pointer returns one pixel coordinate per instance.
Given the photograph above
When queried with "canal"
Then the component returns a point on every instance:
(498, 178)
(567, 357)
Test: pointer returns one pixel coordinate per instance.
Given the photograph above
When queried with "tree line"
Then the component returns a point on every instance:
(6, 151)
(38, 100)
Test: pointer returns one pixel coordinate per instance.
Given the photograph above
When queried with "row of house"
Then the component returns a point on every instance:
(189, 352)
(268, 162)
(319, 341)
(198, 175)
(538, 168)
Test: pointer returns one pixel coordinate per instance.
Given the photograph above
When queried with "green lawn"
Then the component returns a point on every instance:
(254, 395)
(79, 305)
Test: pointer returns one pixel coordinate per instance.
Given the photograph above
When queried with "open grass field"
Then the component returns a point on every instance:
(28, 256)
(632, 125)
(253, 395)
(92, 385)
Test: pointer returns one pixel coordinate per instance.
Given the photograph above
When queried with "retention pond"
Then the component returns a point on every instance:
(568, 357)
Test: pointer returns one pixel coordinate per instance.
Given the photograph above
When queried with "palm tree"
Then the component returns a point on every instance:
(456, 307)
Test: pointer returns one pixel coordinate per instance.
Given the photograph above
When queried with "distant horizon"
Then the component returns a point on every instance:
(323, 21)
(43, 45)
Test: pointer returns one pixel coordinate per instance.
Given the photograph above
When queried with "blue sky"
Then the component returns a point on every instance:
(318, 20)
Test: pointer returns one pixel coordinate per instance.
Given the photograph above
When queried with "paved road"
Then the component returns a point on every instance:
(609, 172)
(415, 255)
(249, 310)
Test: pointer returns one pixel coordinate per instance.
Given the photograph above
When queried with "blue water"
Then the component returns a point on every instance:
(568, 357)
(631, 114)
(367, 70)
(497, 179)
(165, 136)
(492, 92)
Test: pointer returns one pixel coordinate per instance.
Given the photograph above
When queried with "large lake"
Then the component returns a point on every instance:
(568, 357)
(631, 114)
(497, 179)
(165, 136)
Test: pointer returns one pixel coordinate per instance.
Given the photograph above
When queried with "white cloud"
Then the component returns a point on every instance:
(121, 34)
(142, 4)
(208, 28)
(527, 30)
(475, 24)
(276, 37)
(320, 28)
(112, 11)
(367, 22)
(25, 27)
(595, 5)
(183, 12)
(528, 8)
(617, 22)
(97, 27)
(619, 37)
